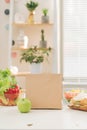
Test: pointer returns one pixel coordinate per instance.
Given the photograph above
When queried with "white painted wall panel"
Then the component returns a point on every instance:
(4, 19)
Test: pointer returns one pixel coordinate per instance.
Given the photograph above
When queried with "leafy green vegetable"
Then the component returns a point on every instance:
(6, 80)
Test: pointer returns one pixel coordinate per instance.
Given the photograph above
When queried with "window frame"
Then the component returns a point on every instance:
(67, 80)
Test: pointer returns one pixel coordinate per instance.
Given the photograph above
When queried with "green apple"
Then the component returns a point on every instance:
(24, 105)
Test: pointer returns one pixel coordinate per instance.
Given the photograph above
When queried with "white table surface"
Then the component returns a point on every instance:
(11, 118)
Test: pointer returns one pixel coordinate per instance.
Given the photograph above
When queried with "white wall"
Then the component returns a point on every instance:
(4, 19)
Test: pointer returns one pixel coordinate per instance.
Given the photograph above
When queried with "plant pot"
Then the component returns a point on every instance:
(45, 19)
(36, 68)
(30, 19)
(43, 44)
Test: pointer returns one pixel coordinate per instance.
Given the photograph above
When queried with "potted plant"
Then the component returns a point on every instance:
(9, 90)
(43, 42)
(45, 17)
(35, 56)
(31, 6)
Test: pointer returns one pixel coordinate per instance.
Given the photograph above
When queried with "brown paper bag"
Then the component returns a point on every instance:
(44, 90)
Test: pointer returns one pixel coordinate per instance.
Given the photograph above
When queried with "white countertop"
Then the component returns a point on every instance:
(11, 118)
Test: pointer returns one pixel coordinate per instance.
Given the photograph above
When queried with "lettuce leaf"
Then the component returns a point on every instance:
(6, 80)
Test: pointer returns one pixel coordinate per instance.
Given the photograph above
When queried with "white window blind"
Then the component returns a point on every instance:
(75, 40)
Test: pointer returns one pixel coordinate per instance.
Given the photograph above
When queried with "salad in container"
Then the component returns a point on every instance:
(70, 93)
(9, 90)
(79, 102)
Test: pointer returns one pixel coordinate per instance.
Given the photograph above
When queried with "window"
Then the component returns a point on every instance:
(75, 40)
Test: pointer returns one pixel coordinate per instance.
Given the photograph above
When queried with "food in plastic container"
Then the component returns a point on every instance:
(9, 98)
(9, 90)
(69, 94)
(79, 102)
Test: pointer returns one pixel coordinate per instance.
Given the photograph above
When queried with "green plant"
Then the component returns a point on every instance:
(45, 11)
(35, 54)
(42, 35)
(31, 6)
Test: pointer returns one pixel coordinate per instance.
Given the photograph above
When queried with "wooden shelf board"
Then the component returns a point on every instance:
(21, 48)
(21, 74)
(35, 24)
(18, 48)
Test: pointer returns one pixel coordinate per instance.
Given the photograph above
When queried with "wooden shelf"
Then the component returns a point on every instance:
(18, 48)
(21, 74)
(21, 48)
(35, 24)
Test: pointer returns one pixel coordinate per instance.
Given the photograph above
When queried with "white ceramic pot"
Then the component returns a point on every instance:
(36, 68)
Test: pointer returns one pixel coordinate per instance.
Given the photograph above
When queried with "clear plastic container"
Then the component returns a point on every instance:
(20, 39)
(69, 93)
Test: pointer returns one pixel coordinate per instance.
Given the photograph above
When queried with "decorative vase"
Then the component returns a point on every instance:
(31, 17)
(36, 68)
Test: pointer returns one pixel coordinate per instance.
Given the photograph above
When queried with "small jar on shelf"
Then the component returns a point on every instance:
(22, 40)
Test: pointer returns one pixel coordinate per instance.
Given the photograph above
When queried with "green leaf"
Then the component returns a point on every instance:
(31, 6)
(35, 54)
(6, 80)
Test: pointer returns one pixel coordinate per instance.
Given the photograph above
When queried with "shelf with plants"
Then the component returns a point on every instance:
(33, 24)
(21, 48)
(18, 48)
(32, 7)
(33, 30)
